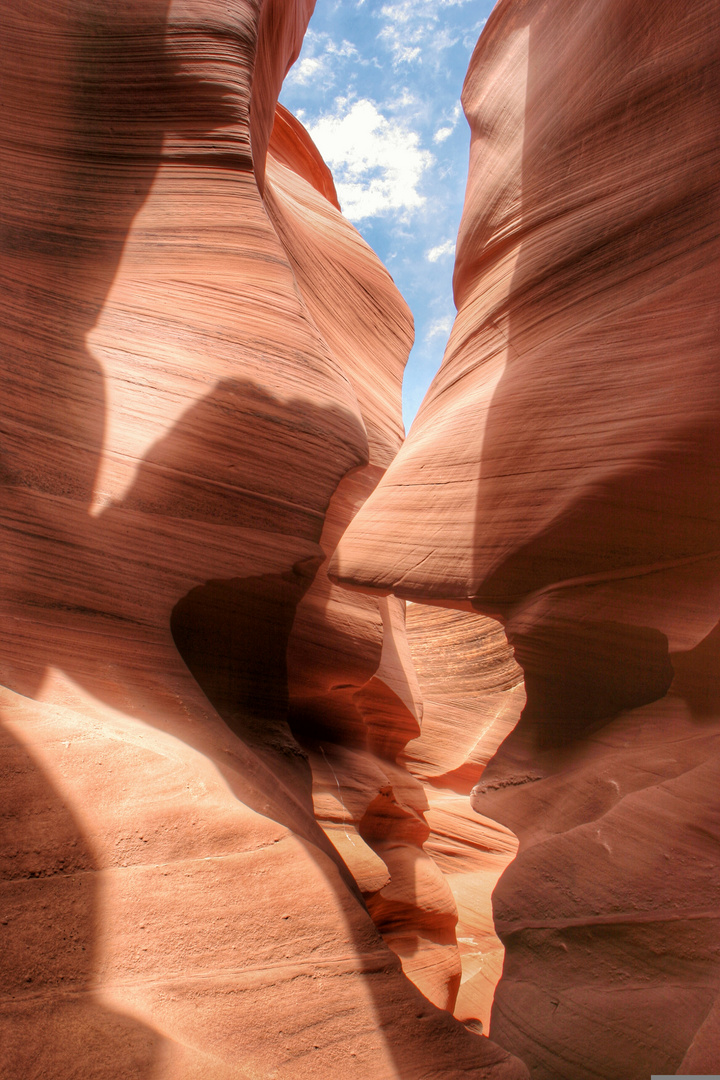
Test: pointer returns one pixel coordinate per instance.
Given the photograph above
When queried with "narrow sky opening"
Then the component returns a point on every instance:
(378, 86)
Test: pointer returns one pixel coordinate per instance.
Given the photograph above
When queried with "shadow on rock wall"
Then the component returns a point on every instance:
(94, 596)
(600, 460)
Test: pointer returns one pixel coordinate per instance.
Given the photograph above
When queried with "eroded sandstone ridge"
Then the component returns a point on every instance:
(236, 776)
(562, 477)
(201, 384)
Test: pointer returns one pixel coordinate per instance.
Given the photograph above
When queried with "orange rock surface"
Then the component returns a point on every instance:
(609, 913)
(561, 476)
(353, 695)
(588, 241)
(191, 414)
(237, 834)
(472, 694)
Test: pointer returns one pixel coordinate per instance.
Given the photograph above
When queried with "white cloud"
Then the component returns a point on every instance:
(439, 327)
(444, 39)
(413, 29)
(406, 99)
(307, 69)
(439, 252)
(406, 105)
(446, 131)
(470, 36)
(407, 25)
(378, 164)
(320, 60)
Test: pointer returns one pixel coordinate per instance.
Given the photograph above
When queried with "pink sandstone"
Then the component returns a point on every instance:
(190, 419)
(561, 477)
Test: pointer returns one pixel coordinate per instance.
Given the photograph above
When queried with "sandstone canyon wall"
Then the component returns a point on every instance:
(253, 810)
(562, 477)
(203, 803)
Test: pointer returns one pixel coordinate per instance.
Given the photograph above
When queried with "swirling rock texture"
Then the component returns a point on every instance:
(201, 367)
(353, 694)
(562, 477)
(472, 694)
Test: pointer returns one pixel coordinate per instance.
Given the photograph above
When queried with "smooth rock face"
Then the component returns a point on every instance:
(472, 695)
(190, 417)
(609, 914)
(225, 836)
(562, 476)
(582, 364)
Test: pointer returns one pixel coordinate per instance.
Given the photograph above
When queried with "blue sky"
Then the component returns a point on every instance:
(378, 86)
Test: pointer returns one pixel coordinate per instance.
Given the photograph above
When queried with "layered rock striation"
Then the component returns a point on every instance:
(561, 477)
(202, 365)
(473, 693)
(237, 774)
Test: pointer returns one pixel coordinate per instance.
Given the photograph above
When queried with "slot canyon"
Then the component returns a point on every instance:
(329, 753)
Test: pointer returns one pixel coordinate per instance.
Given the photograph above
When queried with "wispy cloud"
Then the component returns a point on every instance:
(410, 27)
(441, 250)
(308, 68)
(378, 164)
(406, 25)
(439, 327)
(321, 60)
(470, 35)
(448, 127)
